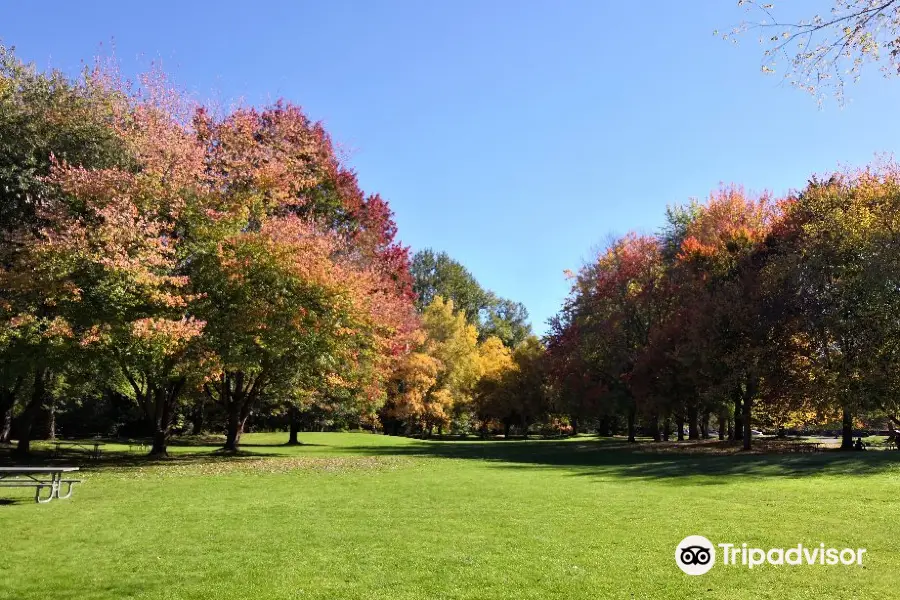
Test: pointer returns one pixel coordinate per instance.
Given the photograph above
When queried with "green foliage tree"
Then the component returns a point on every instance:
(436, 274)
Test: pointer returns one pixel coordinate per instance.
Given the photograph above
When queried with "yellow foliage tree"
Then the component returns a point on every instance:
(453, 342)
(436, 379)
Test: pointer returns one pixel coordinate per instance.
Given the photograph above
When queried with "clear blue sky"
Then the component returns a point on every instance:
(514, 135)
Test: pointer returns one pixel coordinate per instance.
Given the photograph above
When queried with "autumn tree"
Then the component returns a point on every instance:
(524, 395)
(105, 265)
(493, 396)
(717, 324)
(45, 119)
(614, 305)
(233, 249)
(841, 266)
(278, 307)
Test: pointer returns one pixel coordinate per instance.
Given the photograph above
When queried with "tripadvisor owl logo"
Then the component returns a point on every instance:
(695, 555)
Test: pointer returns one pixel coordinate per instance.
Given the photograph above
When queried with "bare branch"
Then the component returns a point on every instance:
(827, 49)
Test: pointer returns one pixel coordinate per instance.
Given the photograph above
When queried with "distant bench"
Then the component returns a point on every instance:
(39, 478)
(92, 448)
(798, 446)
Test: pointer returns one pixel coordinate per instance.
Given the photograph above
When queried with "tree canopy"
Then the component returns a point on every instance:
(436, 274)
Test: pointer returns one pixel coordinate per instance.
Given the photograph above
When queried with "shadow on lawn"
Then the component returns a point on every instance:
(282, 445)
(124, 460)
(692, 462)
(649, 460)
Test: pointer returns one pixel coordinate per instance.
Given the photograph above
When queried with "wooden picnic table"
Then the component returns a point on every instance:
(39, 478)
(92, 447)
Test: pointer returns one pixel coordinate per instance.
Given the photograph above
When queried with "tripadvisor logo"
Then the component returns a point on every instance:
(695, 555)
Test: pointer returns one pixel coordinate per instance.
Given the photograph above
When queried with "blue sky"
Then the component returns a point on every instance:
(515, 135)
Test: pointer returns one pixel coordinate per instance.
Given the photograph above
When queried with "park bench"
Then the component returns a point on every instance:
(92, 447)
(39, 478)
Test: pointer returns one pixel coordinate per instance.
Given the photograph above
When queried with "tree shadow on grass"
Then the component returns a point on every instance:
(703, 462)
(125, 460)
(282, 445)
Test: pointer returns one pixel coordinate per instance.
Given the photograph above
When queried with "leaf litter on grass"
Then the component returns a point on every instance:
(250, 465)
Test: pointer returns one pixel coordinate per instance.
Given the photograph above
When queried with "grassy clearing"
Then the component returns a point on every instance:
(362, 516)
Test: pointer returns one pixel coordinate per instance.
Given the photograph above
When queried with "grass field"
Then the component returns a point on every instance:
(349, 516)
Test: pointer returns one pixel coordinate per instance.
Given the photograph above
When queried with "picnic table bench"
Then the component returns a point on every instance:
(39, 478)
(91, 447)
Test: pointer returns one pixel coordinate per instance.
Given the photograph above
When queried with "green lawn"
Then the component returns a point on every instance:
(350, 516)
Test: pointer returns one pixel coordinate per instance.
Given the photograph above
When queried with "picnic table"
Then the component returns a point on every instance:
(39, 478)
(136, 445)
(800, 446)
(92, 447)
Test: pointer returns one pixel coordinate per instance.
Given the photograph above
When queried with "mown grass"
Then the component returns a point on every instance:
(349, 516)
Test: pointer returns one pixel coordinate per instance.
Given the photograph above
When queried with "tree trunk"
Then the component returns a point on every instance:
(164, 402)
(693, 423)
(631, 418)
(654, 428)
(679, 423)
(847, 429)
(723, 425)
(749, 393)
(667, 428)
(160, 446)
(238, 400)
(738, 417)
(748, 405)
(7, 403)
(603, 428)
(506, 430)
(294, 426)
(573, 420)
(26, 423)
(51, 425)
(704, 425)
(198, 416)
(5, 425)
(233, 394)
(234, 427)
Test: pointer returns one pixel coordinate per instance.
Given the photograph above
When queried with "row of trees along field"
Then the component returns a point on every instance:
(157, 256)
(746, 310)
(166, 268)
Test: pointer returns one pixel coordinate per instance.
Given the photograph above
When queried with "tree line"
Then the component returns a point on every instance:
(168, 268)
(158, 252)
(745, 309)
